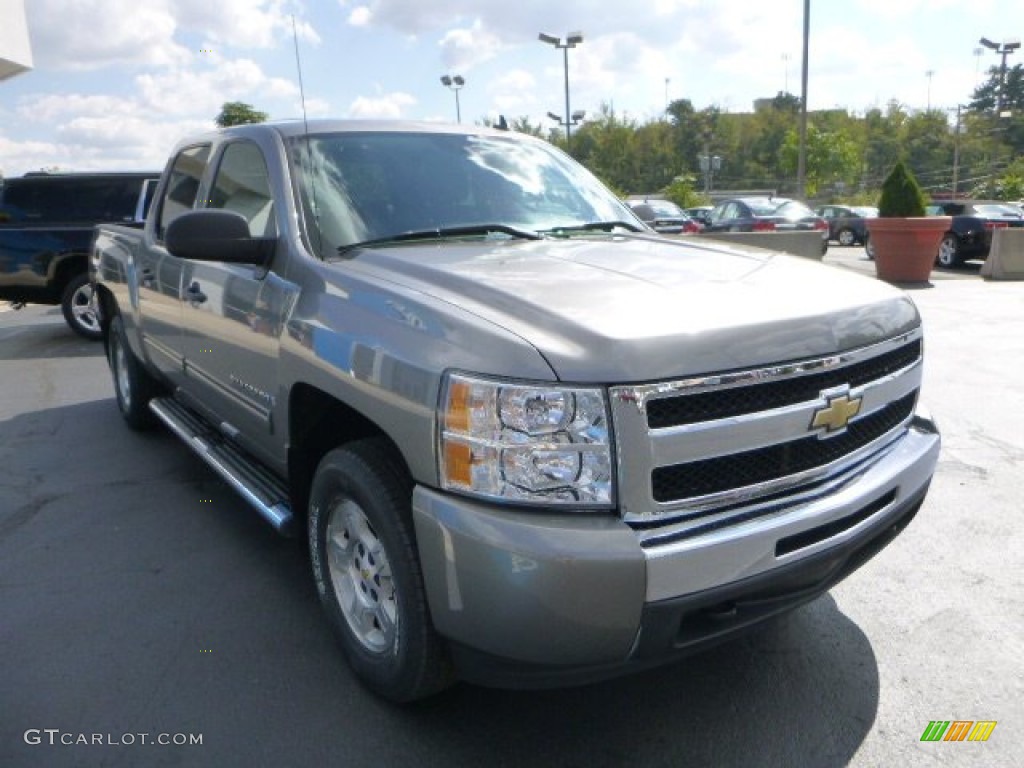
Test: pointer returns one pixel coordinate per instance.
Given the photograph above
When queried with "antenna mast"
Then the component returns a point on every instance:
(309, 151)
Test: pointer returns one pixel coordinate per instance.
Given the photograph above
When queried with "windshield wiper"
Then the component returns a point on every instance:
(441, 233)
(590, 226)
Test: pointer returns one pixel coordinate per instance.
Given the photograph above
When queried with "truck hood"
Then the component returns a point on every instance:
(618, 309)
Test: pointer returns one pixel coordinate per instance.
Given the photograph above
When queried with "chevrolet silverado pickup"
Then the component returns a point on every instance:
(46, 229)
(530, 441)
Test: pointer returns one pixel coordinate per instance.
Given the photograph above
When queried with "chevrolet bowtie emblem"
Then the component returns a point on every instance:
(837, 413)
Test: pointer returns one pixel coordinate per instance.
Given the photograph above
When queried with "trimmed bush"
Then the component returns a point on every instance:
(901, 194)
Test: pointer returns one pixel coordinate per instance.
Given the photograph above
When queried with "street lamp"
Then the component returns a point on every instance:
(1004, 50)
(709, 164)
(575, 119)
(571, 41)
(454, 83)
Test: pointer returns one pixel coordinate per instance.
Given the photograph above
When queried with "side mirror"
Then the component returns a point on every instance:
(217, 235)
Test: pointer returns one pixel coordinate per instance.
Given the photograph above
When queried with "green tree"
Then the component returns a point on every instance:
(832, 158)
(238, 113)
(683, 192)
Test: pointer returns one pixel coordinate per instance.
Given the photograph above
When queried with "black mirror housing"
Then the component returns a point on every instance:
(217, 235)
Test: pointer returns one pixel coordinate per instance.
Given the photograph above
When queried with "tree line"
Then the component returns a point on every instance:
(968, 152)
(848, 155)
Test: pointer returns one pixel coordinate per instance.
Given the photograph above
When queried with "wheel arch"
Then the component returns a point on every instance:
(66, 266)
(319, 422)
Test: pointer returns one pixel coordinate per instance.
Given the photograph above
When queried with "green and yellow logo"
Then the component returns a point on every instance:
(958, 730)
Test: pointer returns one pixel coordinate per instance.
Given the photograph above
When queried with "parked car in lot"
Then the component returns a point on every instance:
(766, 214)
(700, 213)
(665, 217)
(970, 233)
(846, 224)
(46, 226)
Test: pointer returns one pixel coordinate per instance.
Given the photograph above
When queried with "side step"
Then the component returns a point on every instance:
(257, 485)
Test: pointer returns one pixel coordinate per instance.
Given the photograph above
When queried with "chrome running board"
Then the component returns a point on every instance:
(262, 489)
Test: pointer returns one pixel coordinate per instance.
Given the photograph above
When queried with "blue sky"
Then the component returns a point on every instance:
(117, 82)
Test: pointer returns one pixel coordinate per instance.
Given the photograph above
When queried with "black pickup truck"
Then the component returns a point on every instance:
(46, 228)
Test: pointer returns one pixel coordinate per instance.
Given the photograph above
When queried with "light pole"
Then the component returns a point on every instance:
(1004, 50)
(709, 164)
(928, 74)
(571, 41)
(956, 154)
(801, 157)
(454, 83)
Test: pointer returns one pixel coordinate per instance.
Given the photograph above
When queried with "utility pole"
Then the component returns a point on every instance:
(801, 163)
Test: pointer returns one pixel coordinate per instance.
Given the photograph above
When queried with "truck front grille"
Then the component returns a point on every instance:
(708, 446)
(737, 401)
(701, 478)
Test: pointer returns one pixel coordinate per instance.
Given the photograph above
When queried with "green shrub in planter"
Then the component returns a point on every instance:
(901, 195)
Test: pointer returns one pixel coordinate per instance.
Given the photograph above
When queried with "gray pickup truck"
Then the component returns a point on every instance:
(530, 441)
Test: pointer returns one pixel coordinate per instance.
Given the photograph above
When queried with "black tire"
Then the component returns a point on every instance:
(367, 571)
(134, 387)
(846, 237)
(869, 248)
(80, 311)
(949, 252)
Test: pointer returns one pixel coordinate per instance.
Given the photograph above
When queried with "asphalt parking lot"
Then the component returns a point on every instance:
(138, 595)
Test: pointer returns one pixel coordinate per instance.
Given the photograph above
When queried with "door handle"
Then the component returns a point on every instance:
(194, 293)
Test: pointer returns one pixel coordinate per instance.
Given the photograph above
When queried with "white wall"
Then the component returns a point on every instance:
(15, 49)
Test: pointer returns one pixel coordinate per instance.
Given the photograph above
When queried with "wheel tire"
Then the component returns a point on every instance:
(134, 387)
(846, 237)
(949, 252)
(81, 314)
(869, 248)
(367, 571)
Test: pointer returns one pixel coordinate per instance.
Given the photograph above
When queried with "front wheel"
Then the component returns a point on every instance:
(949, 252)
(846, 237)
(869, 248)
(368, 574)
(80, 310)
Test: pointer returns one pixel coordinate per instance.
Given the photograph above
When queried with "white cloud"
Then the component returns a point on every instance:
(360, 16)
(512, 92)
(387, 106)
(189, 91)
(91, 34)
(464, 47)
(240, 23)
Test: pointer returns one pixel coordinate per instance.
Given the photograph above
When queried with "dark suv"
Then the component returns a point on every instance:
(46, 228)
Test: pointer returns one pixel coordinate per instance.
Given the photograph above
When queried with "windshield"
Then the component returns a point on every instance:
(355, 186)
(793, 210)
(664, 208)
(997, 210)
(866, 211)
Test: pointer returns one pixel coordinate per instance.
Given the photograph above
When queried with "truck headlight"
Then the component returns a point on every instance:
(528, 443)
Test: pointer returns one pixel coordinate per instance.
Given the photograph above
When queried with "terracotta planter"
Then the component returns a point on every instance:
(905, 249)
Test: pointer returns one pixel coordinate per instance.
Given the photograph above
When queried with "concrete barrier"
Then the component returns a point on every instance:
(1006, 257)
(806, 244)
